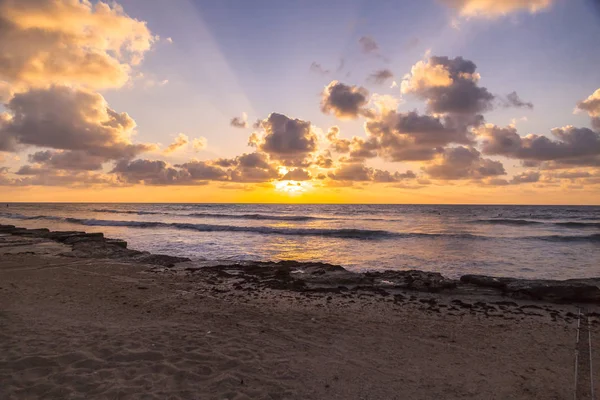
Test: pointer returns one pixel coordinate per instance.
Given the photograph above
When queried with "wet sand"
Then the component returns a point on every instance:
(73, 327)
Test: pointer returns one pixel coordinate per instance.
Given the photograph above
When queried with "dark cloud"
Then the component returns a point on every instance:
(411, 136)
(69, 119)
(463, 163)
(35, 175)
(344, 101)
(202, 171)
(525, 177)
(387, 176)
(67, 160)
(513, 100)
(239, 122)
(449, 85)
(324, 161)
(359, 172)
(381, 76)
(297, 174)
(254, 167)
(150, 172)
(575, 146)
(368, 45)
(291, 141)
(317, 68)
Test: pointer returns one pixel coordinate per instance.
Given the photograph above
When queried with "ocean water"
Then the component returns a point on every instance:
(557, 242)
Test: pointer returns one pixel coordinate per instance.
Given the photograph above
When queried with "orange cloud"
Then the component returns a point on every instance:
(496, 8)
(69, 42)
(180, 141)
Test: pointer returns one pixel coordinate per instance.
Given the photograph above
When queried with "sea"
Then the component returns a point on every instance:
(550, 242)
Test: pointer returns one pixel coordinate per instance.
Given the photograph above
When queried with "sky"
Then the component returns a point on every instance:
(435, 101)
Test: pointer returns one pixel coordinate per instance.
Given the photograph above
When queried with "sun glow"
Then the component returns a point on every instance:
(292, 187)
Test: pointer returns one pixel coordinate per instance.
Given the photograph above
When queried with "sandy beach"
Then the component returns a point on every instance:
(73, 326)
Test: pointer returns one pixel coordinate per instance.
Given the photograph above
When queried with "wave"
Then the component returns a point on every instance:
(559, 238)
(568, 224)
(217, 215)
(258, 217)
(508, 221)
(343, 233)
(103, 210)
(578, 224)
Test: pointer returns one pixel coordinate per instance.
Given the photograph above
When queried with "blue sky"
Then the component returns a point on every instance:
(206, 62)
(234, 56)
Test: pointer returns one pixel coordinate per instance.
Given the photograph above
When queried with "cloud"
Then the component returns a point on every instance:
(359, 172)
(180, 141)
(36, 175)
(449, 85)
(291, 141)
(6, 92)
(316, 67)
(254, 167)
(69, 42)
(496, 8)
(202, 170)
(410, 136)
(344, 101)
(240, 122)
(68, 119)
(368, 45)
(199, 143)
(575, 146)
(591, 105)
(297, 174)
(67, 160)
(150, 172)
(381, 76)
(463, 163)
(526, 177)
(513, 100)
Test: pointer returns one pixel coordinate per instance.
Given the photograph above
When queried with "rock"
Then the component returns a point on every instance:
(159, 259)
(7, 228)
(412, 280)
(586, 290)
(29, 232)
(117, 242)
(486, 281)
(84, 237)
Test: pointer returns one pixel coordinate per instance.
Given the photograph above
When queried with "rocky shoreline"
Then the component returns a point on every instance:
(319, 277)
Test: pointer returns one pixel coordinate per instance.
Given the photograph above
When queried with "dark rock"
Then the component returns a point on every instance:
(29, 232)
(117, 242)
(585, 290)
(84, 237)
(486, 281)
(158, 259)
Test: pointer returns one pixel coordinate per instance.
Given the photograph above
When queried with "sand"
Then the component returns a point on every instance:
(106, 329)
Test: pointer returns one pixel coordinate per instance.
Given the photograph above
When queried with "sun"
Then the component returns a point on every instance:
(291, 187)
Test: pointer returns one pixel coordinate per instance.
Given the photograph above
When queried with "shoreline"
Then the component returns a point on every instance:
(81, 315)
(323, 277)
